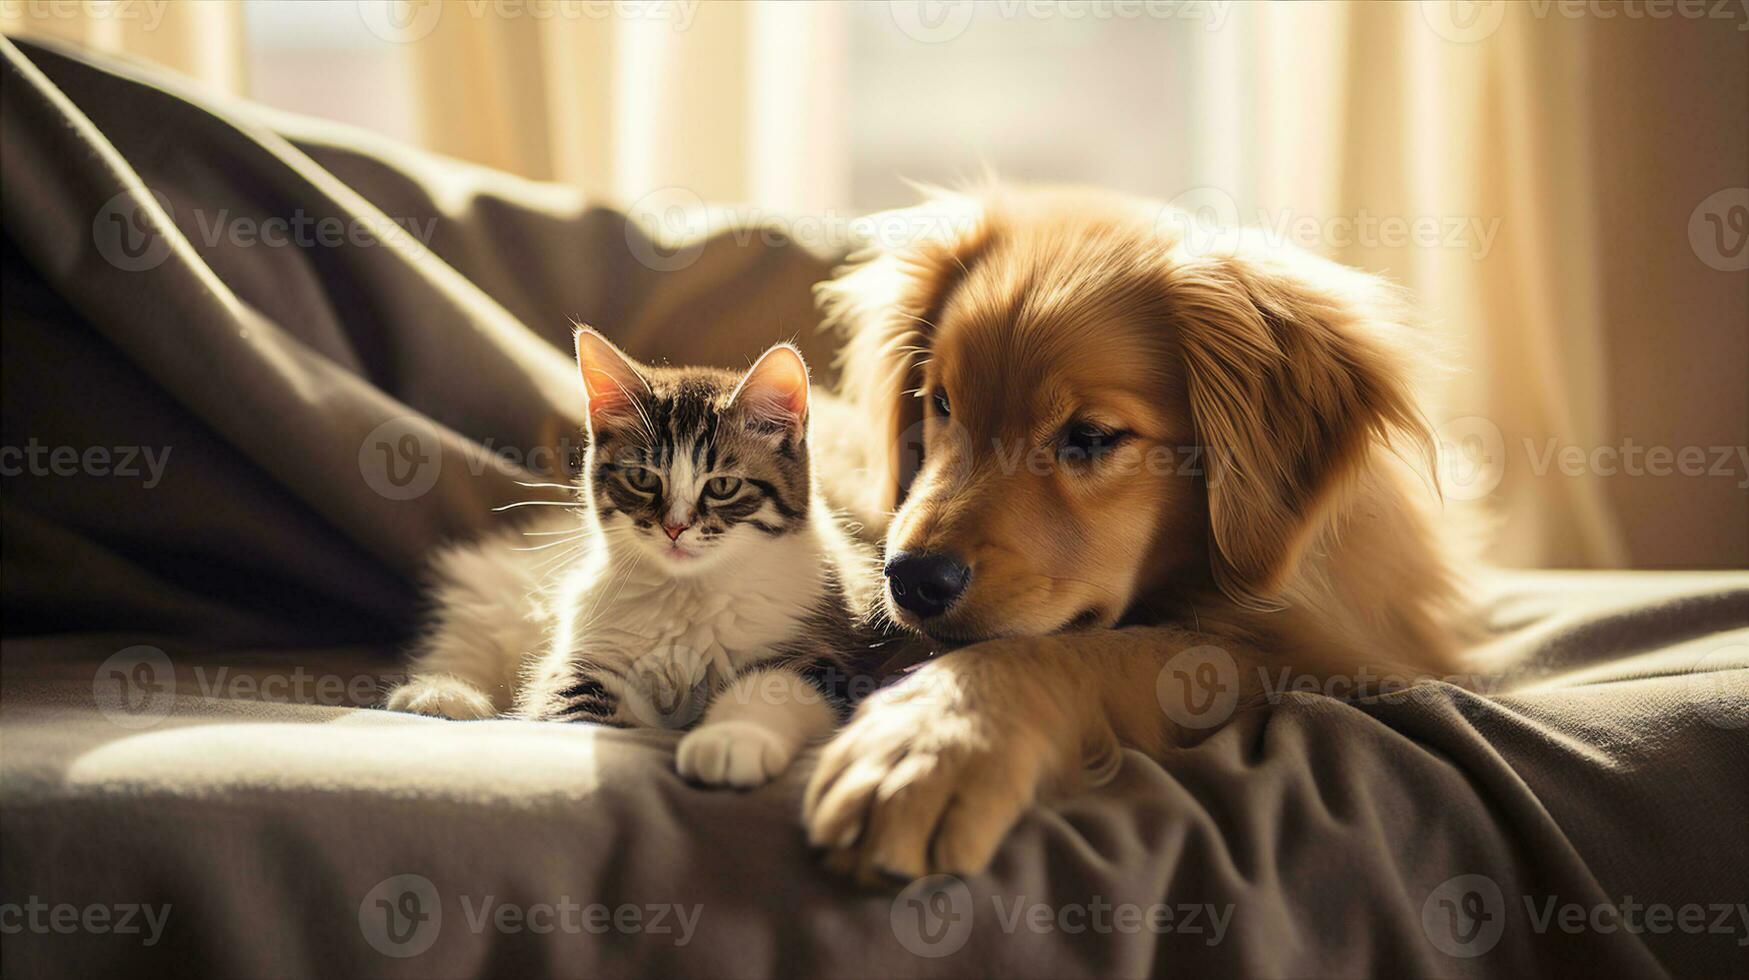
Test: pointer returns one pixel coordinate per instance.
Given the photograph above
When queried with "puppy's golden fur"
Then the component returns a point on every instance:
(1263, 483)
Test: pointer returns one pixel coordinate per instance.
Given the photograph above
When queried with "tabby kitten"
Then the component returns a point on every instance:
(699, 579)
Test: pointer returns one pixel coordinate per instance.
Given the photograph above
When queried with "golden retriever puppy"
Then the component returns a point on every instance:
(1092, 448)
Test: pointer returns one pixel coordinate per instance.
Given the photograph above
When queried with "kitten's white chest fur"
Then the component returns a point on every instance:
(669, 639)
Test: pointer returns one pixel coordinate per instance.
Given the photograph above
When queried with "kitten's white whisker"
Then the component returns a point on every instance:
(555, 486)
(604, 598)
(559, 559)
(552, 544)
(537, 503)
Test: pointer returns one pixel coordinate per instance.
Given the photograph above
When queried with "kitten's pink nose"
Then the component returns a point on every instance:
(674, 530)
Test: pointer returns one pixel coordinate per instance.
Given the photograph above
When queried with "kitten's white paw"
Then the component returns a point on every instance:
(733, 753)
(444, 697)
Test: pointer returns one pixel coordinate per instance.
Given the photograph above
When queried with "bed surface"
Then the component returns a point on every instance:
(189, 650)
(1608, 767)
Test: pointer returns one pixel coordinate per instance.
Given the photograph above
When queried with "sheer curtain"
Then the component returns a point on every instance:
(726, 101)
(1541, 179)
(201, 38)
(1558, 165)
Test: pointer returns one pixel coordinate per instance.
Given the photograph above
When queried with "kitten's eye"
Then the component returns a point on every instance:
(722, 487)
(941, 406)
(1085, 441)
(639, 478)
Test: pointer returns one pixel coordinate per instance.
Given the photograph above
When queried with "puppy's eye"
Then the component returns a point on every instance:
(1085, 441)
(641, 479)
(941, 406)
(722, 487)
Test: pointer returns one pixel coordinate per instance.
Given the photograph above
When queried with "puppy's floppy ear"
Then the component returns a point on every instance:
(775, 389)
(1297, 372)
(886, 301)
(611, 380)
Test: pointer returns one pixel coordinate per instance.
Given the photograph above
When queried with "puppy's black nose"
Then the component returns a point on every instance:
(925, 583)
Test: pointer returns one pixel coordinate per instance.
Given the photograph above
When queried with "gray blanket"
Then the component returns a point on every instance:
(198, 617)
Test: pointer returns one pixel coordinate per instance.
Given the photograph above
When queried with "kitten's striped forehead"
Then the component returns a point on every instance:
(686, 430)
(686, 412)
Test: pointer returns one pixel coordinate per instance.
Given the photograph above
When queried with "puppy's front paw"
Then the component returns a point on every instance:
(915, 786)
(442, 697)
(742, 754)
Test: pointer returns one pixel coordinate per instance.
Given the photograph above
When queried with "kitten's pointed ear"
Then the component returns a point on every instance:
(610, 379)
(776, 388)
